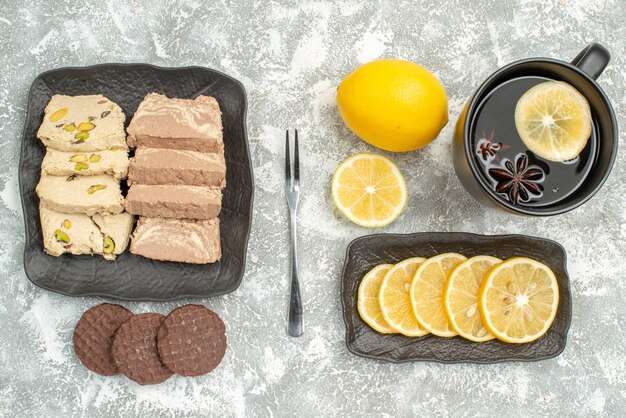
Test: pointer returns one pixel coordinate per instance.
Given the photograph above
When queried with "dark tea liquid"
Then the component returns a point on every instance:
(497, 148)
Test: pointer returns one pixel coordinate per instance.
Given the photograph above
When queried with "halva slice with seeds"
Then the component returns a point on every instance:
(69, 233)
(81, 194)
(115, 230)
(182, 240)
(57, 163)
(162, 122)
(82, 124)
(76, 233)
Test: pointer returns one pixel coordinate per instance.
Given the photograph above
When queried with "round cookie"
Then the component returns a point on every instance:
(134, 349)
(192, 340)
(93, 336)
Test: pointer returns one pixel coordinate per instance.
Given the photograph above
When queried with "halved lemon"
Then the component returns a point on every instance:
(369, 190)
(368, 305)
(394, 299)
(518, 300)
(460, 300)
(553, 120)
(427, 293)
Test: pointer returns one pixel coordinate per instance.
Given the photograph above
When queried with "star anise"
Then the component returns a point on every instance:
(518, 181)
(487, 148)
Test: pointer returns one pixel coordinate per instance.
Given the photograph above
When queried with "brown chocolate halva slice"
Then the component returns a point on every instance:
(169, 166)
(181, 240)
(191, 340)
(134, 349)
(162, 122)
(174, 201)
(93, 336)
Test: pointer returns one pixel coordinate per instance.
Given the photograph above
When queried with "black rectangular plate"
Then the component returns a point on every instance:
(367, 252)
(130, 276)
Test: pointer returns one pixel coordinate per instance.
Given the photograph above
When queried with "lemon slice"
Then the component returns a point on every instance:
(394, 299)
(427, 293)
(368, 305)
(553, 120)
(369, 190)
(518, 300)
(460, 299)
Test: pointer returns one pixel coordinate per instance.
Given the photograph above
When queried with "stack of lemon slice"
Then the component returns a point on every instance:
(480, 298)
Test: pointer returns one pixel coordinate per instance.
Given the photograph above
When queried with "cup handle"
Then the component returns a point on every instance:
(593, 60)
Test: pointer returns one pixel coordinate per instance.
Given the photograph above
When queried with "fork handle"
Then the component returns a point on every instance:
(294, 324)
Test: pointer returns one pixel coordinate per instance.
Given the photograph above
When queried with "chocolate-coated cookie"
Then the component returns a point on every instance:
(134, 349)
(192, 340)
(93, 336)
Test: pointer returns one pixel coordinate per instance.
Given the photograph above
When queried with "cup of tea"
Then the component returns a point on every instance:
(492, 156)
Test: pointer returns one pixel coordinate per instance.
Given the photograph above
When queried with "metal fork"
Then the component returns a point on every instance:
(292, 190)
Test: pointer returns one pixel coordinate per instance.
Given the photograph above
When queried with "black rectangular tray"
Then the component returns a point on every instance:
(366, 252)
(130, 276)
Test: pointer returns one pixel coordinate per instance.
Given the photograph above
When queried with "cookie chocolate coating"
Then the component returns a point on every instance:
(93, 336)
(192, 340)
(134, 349)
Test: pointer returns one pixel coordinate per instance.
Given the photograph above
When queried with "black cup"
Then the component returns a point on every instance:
(581, 73)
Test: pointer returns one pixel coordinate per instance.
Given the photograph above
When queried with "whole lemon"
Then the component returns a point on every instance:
(393, 104)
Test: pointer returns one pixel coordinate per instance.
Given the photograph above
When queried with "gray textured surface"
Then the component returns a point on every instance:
(291, 58)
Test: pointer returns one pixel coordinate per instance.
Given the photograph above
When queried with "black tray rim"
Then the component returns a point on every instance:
(237, 283)
(439, 233)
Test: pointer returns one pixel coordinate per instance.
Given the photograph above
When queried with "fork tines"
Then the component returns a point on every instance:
(296, 162)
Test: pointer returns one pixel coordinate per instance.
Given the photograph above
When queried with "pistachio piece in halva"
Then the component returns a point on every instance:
(70, 128)
(94, 158)
(109, 245)
(58, 115)
(85, 126)
(67, 224)
(82, 135)
(81, 166)
(61, 236)
(79, 158)
(95, 188)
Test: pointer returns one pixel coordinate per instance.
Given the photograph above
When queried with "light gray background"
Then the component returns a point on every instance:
(291, 58)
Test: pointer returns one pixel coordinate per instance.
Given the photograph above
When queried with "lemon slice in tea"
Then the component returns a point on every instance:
(553, 120)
